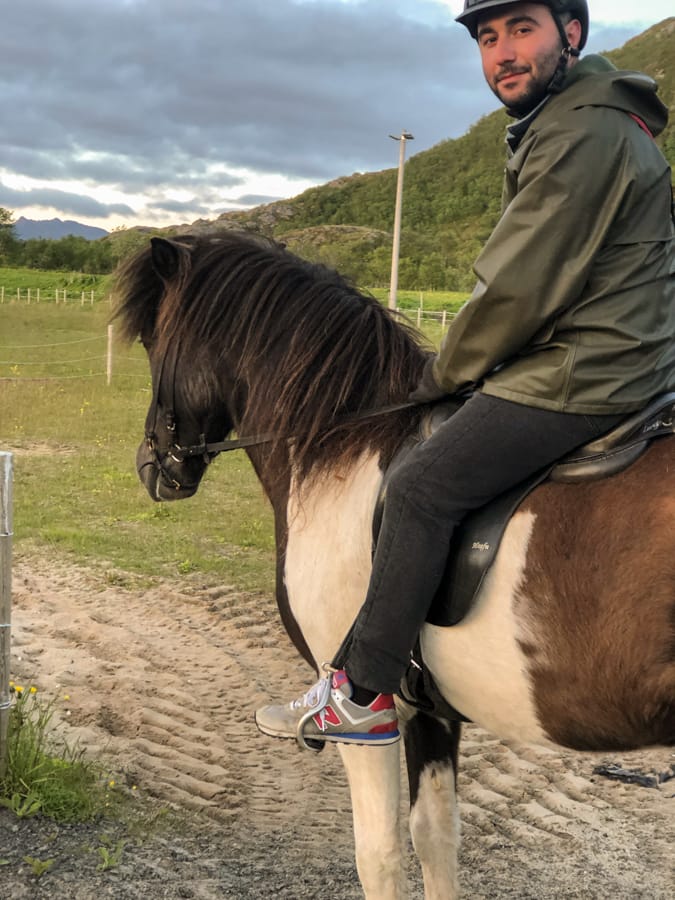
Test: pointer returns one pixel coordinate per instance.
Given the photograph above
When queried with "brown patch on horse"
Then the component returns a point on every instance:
(603, 668)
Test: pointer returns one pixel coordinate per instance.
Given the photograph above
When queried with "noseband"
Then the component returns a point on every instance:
(167, 371)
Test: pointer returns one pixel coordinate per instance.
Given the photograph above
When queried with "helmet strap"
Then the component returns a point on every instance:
(568, 51)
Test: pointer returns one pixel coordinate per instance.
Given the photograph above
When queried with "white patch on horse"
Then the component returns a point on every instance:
(328, 553)
(435, 830)
(478, 664)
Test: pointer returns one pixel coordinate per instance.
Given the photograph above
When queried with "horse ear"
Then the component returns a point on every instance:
(167, 257)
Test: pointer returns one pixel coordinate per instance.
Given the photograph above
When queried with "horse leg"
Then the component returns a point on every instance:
(431, 746)
(374, 781)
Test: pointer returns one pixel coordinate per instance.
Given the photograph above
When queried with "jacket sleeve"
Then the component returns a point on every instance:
(538, 258)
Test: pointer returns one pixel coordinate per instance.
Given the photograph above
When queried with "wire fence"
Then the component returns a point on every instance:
(56, 295)
(96, 356)
(417, 314)
(87, 357)
(421, 316)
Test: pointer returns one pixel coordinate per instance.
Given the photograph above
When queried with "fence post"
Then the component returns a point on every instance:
(5, 599)
(109, 359)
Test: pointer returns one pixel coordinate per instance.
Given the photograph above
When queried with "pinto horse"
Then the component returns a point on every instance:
(572, 639)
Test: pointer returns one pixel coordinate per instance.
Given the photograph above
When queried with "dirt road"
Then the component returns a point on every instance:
(163, 682)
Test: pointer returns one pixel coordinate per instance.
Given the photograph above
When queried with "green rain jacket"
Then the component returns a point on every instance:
(574, 309)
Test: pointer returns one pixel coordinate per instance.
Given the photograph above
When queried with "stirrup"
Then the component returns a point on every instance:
(307, 743)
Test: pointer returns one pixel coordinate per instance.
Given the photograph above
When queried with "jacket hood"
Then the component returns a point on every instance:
(594, 81)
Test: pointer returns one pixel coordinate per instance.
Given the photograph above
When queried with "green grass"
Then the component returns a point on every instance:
(40, 777)
(75, 438)
(48, 281)
(430, 301)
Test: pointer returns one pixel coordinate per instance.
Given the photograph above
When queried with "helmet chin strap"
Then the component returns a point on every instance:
(567, 52)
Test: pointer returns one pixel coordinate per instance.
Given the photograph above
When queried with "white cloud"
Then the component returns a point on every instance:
(137, 116)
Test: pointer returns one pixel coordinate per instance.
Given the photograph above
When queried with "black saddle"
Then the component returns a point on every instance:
(476, 541)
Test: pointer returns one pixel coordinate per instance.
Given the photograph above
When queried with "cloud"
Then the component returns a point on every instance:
(49, 198)
(154, 99)
(192, 206)
(309, 89)
(253, 199)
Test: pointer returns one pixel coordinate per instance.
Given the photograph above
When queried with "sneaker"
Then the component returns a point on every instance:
(326, 713)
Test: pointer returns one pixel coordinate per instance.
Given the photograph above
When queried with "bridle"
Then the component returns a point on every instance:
(208, 450)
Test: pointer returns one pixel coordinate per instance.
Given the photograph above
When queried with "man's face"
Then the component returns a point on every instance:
(520, 47)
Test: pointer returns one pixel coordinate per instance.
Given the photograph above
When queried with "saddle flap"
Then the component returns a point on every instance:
(472, 552)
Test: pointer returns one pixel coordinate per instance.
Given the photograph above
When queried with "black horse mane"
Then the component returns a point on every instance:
(309, 347)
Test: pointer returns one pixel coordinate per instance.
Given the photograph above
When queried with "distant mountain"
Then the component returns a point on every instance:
(53, 229)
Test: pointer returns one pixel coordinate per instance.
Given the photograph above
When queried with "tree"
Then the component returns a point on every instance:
(8, 241)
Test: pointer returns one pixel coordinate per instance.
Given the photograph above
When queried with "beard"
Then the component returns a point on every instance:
(530, 95)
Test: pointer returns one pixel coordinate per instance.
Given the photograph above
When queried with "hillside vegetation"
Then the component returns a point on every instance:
(451, 200)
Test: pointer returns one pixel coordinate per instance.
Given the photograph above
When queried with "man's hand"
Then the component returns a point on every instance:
(428, 389)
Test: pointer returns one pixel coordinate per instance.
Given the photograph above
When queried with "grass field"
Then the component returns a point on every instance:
(47, 282)
(428, 301)
(75, 437)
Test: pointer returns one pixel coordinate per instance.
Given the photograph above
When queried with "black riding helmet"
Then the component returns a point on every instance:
(578, 9)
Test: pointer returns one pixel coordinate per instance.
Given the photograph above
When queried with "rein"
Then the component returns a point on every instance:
(213, 448)
(208, 450)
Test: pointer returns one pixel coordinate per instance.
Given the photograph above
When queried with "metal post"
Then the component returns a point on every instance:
(393, 285)
(5, 599)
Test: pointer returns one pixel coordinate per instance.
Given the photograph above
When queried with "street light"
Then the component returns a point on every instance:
(393, 284)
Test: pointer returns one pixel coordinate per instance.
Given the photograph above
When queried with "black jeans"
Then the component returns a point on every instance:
(487, 447)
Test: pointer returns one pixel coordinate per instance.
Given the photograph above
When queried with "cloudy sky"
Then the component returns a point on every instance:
(126, 112)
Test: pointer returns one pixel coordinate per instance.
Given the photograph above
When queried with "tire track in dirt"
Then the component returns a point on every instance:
(164, 681)
(605, 839)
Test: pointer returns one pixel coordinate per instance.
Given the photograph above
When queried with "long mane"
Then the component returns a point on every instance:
(308, 346)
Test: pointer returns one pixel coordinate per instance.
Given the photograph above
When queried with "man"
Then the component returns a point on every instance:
(570, 328)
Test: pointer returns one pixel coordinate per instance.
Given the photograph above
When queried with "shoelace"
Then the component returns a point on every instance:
(316, 697)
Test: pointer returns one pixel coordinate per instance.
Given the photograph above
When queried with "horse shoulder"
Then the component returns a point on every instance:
(328, 551)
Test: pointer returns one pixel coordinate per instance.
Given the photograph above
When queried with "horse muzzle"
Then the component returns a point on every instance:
(165, 479)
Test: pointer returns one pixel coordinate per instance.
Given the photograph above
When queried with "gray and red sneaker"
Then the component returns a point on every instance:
(327, 713)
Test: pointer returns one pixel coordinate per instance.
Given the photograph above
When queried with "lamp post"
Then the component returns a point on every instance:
(393, 284)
